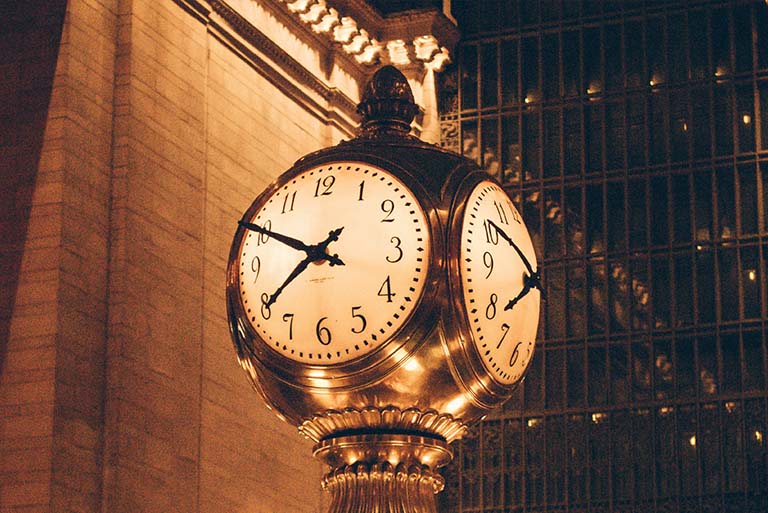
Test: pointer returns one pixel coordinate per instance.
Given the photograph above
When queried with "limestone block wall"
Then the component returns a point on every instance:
(133, 134)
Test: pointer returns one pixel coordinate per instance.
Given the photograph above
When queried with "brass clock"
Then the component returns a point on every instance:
(383, 295)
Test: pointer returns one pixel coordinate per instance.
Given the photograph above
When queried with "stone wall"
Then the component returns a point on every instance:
(134, 133)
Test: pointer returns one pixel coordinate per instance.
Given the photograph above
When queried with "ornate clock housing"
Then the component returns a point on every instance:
(383, 295)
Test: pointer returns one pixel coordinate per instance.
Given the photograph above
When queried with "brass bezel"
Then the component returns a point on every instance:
(389, 353)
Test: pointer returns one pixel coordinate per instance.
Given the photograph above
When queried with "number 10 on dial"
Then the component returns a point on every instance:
(333, 262)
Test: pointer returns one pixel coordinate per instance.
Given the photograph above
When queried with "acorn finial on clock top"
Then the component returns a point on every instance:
(387, 105)
(383, 295)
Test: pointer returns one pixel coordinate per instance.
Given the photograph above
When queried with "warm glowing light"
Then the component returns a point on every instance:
(358, 43)
(758, 436)
(533, 422)
(699, 247)
(344, 32)
(398, 52)
(425, 47)
(413, 365)
(746, 119)
(752, 274)
(370, 52)
(666, 410)
(326, 24)
(598, 417)
(692, 440)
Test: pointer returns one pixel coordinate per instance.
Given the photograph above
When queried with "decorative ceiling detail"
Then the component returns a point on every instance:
(411, 38)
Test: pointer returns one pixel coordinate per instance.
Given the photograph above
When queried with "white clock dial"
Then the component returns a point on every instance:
(357, 286)
(500, 282)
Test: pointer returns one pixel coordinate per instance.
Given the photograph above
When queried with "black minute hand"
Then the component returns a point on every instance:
(530, 281)
(288, 241)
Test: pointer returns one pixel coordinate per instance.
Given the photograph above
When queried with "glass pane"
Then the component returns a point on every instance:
(664, 376)
(747, 200)
(556, 460)
(641, 371)
(680, 129)
(705, 286)
(657, 128)
(750, 281)
(535, 467)
(729, 349)
(700, 124)
(687, 445)
(633, 41)
(597, 385)
(509, 76)
(468, 68)
(708, 373)
(721, 41)
(681, 208)
(761, 26)
(754, 361)
(726, 203)
(553, 225)
(575, 382)
(661, 292)
(511, 149)
(708, 441)
(614, 78)
(636, 131)
(763, 88)
(571, 62)
(574, 224)
(686, 368)
(530, 70)
(723, 95)
(636, 203)
(659, 211)
(594, 217)
(756, 471)
(642, 453)
(621, 456)
(599, 452)
(490, 134)
(665, 453)
(593, 81)
(702, 184)
(640, 293)
(555, 304)
(733, 446)
(576, 302)
(678, 48)
(729, 284)
(745, 115)
(470, 146)
(513, 456)
(615, 210)
(619, 373)
(531, 145)
(555, 361)
(533, 382)
(550, 60)
(578, 467)
(615, 132)
(683, 290)
(593, 135)
(742, 34)
(655, 46)
(551, 146)
(698, 34)
(488, 75)
(596, 306)
(572, 140)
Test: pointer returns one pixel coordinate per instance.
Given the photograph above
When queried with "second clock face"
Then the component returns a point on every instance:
(502, 307)
(361, 276)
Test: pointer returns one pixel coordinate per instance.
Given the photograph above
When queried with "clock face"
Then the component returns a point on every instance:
(501, 293)
(333, 263)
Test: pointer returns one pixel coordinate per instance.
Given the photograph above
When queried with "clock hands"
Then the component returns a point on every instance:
(315, 253)
(532, 280)
(299, 245)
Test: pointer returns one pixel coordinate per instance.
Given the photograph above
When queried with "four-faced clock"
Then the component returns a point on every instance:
(500, 282)
(332, 262)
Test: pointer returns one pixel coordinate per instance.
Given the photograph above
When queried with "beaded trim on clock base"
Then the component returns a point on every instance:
(388, 418)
